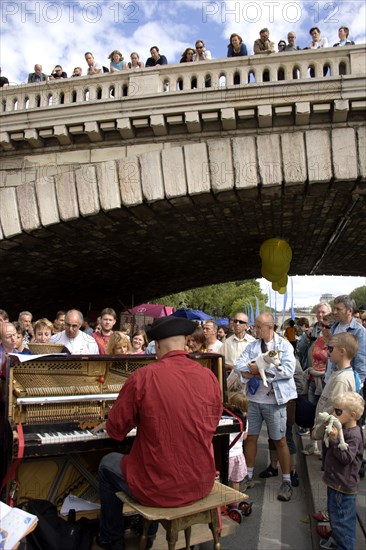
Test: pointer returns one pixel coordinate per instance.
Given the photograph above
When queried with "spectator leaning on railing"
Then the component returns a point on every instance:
(343, 33)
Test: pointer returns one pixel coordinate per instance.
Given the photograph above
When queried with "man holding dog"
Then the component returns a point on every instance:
(268, 403)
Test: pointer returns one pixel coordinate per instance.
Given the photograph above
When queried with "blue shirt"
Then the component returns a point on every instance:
(232, 53)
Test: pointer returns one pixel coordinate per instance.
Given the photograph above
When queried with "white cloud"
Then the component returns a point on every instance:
(308, 289)
(60, 31)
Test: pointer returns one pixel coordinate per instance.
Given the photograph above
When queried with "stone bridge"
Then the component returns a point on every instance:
(124, 188)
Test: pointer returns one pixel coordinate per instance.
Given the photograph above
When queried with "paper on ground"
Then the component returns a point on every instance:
(72, 502)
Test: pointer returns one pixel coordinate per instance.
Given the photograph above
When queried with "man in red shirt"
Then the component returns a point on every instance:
(176, 404)
(108, 319)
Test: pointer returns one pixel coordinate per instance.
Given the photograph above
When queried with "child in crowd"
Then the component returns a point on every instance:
(341, 348)
(341, 472)
(118, 344)
(237, 466)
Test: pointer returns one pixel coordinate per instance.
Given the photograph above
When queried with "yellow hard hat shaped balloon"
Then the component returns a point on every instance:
(276, 253)
(276, 257)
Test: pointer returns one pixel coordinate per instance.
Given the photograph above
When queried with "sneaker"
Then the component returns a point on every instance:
(303, 431)
(329, 544)
(269, 472)
(285, 492)
(309, 450)
(322, 515)
(248, 483)
(323, 531)
(294, 478)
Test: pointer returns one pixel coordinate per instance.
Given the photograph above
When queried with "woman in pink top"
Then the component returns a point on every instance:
(319, 356)
(139, 342)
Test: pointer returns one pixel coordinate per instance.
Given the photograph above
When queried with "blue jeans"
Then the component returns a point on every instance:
(110, 481)
(313, 398)
(342, 516)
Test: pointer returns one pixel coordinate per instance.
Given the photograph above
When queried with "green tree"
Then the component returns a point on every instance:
(222, 300)
(359, 295)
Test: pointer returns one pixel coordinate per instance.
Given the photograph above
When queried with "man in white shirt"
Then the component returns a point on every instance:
(234, 346)
(213, 344)
(201, 53)
(76, 341)
(93, 66)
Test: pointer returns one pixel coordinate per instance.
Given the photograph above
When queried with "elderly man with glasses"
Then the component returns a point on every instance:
(73, 338)
(343, 309)
(235, 345)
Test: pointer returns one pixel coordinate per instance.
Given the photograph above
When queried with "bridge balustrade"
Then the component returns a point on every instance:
(187, 77)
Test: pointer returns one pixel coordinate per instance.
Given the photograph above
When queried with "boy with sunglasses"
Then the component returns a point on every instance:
(341, 349)
(341, 472)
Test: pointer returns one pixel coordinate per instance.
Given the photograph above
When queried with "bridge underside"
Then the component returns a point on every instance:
(108, 199)
(135, 254)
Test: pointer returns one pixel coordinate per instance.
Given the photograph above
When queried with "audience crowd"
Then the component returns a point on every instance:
(198, 53)
(319, 362)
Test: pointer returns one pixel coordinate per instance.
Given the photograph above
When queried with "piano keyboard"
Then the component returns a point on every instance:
(73, 436)
(56, 437)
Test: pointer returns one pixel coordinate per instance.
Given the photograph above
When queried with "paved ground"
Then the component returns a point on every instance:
(275, 525)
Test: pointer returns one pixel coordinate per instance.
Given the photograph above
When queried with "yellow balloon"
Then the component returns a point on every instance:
(275, 286)
(283, 281)
(273, 275)
(275, 252)
(282, 290)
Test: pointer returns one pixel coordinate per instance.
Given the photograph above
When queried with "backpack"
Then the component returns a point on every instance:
(54, 533)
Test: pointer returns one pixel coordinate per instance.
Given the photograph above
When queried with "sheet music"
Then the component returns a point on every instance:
(14, 525)
(72, 502)
(29, 357)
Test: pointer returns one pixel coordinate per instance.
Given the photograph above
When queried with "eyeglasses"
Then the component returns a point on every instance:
(239, 321)
(328, 327)
(199, 47)
(330, 349)
(338, 412)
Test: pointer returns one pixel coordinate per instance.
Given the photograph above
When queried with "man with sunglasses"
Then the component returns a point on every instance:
(235, 345)
(201, 53)
(268, 404)
(343, 309)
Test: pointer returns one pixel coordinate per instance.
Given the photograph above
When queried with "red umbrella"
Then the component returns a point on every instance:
(150, 310)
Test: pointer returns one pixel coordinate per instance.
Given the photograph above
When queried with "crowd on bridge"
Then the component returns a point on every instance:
(320, 369)
(198, 53)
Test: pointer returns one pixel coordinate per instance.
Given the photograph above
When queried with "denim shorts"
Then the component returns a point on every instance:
(273, 415)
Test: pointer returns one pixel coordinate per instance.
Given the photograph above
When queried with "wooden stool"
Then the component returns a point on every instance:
(173, 520)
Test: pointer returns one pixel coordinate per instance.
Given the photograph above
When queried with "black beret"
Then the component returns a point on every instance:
(165, 327)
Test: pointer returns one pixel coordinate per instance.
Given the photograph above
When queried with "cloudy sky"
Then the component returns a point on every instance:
(309, 289)
(60, 31)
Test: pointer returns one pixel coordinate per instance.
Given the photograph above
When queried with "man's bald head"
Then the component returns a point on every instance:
(8, 336)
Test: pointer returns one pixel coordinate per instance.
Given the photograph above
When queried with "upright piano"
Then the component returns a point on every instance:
(50, 404)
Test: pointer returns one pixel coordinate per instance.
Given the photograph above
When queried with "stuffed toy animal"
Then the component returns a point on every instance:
(331, 421)
(267, 360)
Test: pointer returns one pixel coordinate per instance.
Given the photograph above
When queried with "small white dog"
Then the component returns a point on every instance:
(331, 421)
(267, 360)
